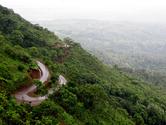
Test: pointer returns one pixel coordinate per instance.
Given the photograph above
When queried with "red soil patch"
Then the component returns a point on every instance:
(35, 73)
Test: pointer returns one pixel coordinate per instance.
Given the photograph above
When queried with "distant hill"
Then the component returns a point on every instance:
(136, 46)
(95, 94)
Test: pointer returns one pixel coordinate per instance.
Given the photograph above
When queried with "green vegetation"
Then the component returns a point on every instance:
(150, 76)
(41, 88)
(95, 94)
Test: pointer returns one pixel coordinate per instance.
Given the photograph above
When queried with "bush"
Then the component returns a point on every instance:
(17, 38)
(7, 24)
(18, 53)
(21, 67)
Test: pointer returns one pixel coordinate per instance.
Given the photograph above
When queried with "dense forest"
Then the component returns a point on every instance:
(95, 94)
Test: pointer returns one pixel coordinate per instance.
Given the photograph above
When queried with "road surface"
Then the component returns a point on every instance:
(22, 95)
(62, 80)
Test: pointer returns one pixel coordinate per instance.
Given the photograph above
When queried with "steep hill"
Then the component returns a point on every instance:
(94, 95)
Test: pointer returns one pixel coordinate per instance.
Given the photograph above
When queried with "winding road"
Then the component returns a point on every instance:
(23, 95)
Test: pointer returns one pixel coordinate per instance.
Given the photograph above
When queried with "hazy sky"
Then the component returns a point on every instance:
(129, 10)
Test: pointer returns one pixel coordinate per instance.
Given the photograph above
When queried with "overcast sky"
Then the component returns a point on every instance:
(128, 10)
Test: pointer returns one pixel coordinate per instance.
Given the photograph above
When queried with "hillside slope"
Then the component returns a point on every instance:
(94, 95)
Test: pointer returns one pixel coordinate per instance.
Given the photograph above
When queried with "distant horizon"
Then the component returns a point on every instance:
(104, 20)
(119, 10)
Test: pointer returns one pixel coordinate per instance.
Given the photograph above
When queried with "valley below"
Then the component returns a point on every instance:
(136, 48)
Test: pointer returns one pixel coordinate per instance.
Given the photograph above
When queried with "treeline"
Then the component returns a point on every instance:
(150, 76)
(23, 33)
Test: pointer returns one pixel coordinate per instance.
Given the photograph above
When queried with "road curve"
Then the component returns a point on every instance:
(44, 73)
(62, 80)
(22, 95)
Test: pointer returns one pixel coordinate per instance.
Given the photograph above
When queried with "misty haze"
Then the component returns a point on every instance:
(131, 45)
